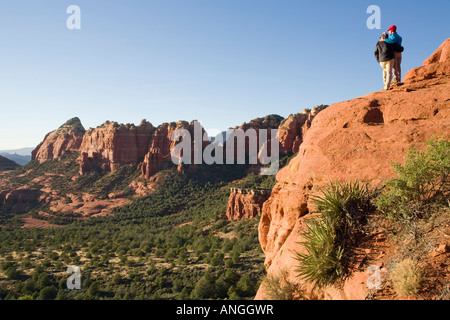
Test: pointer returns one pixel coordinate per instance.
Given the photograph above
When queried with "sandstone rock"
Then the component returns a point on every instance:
(269, 123)
(245, 205)
(292, 129)
(57, 143)
(19, 200)
(437, 64)
(112, 145)
(355, 139)
(441, 249)
(161, 147)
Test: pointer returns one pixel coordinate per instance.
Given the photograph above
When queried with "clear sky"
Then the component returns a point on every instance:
(222, 62)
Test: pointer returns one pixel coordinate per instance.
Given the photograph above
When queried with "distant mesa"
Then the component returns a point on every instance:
(113, 145)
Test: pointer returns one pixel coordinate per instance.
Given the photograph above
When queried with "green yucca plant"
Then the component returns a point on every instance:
(321, 263)
(341, 201)
(328, 237)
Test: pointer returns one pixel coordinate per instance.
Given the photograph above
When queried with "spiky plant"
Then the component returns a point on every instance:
(321, 264)
(328, 237)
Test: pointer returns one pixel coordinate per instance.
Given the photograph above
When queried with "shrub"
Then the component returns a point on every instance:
(406, 277)
(48, 293)
(279, 288)
(204, 289)
(322, 262)
(94, 289)
(329, 237)
(12, 273)
(245, 287)
(423, 179)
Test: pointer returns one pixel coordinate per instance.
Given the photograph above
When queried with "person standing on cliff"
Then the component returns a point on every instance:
(384, 53)
(395, 39)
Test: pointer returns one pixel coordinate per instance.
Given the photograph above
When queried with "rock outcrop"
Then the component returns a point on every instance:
(113, 145)
(245, 204)
(437, 64)
(19, 200)
(161, 146)
(6, 164)
(57, 143)
(292, 129)
(355, 139)
(269, 123)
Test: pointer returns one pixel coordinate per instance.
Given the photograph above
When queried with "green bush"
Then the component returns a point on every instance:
(329, 237)
(423, 179)
(12, 273)
(48, 293)
(279, 287)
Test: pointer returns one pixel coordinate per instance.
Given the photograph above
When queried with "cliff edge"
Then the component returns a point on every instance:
(355, 139)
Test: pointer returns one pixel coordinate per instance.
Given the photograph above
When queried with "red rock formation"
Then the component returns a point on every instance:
(356, 139)
(19, 200)
(161, 146)
(245, 204)
(269, 123)
(292, 129)
(66, 138)
(437, 64)
(112, 145)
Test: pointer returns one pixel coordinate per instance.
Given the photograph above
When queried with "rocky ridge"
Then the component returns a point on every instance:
(355, 139)
(57, 143)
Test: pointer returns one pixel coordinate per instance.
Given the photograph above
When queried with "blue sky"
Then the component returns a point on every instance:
(222, 62)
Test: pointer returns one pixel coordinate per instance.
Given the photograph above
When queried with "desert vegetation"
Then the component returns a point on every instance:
(413, 208)
(172, 244)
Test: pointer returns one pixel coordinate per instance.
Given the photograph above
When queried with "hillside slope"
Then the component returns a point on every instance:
(7, 164)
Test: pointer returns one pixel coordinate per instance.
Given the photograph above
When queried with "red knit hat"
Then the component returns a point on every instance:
(392, 28)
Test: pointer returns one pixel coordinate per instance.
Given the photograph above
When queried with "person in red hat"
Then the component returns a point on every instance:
(395, 39)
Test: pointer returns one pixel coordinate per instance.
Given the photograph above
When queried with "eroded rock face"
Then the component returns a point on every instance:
(19, 200)
(245, 204)
(57, 143)
(435, 65)
(355, 139)
(292, 129)
(268, 123)
(161, 146)
(113, 145)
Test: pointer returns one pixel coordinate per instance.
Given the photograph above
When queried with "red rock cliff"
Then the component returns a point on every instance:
(66, 138)
(292, 129)
(356, 139)
(161, 146)
(112, 145)
(245, 204)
